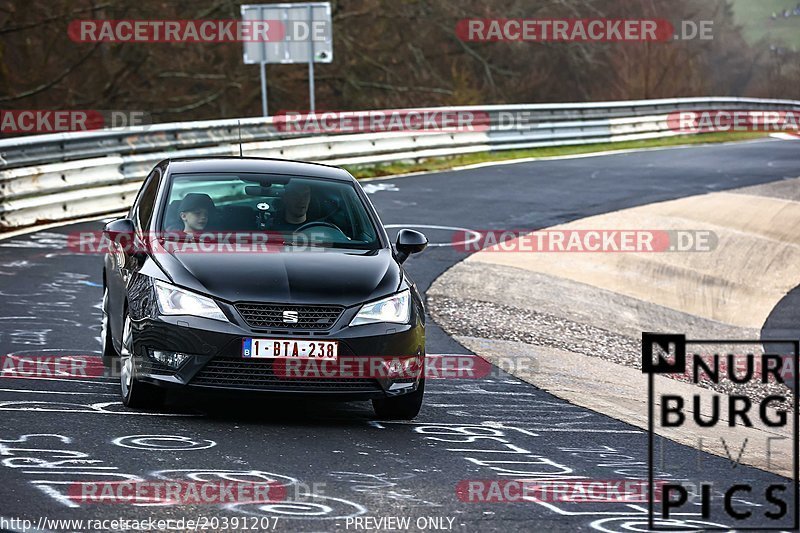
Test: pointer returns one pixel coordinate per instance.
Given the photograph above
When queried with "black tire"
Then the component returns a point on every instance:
(144, 396)
(135, 394)
(110, 354)
(404, 407)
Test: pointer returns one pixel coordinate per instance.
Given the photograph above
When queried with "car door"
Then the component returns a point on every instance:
(122, 263)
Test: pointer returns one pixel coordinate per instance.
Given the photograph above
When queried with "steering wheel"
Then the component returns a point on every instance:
(315, 223)
(320, 223)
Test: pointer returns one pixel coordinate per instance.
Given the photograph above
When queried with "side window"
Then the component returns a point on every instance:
(145, 202)
(358, 218)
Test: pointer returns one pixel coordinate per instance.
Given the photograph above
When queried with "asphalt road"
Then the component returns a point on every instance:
(338, 465)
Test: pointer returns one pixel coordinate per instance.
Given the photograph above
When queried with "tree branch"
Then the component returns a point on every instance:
(52, 83)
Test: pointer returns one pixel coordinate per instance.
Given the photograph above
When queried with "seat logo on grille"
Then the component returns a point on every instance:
(290, 317)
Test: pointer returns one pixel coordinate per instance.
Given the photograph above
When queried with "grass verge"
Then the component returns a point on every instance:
(755, 19)
(444, 163)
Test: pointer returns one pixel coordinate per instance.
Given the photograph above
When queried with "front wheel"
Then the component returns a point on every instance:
(404, 407)
(110, 355)
(135, 394)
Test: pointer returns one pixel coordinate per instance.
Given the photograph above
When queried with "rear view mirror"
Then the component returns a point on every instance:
(258, 190)
(409, 242)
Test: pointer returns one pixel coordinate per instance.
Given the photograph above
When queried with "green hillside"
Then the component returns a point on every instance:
(755, 18)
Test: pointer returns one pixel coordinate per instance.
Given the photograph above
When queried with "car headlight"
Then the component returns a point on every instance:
(395, 309)
(175, 301)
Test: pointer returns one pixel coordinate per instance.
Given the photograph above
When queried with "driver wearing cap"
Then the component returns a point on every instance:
(195, 209)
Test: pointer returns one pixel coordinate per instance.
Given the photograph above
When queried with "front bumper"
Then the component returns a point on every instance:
(216, 362)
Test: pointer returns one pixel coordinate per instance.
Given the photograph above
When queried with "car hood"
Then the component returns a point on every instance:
(325, 276)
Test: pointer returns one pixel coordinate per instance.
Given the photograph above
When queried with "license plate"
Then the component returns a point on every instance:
(290, 349)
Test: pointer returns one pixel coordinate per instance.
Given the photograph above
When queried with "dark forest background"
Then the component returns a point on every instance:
(387, 54)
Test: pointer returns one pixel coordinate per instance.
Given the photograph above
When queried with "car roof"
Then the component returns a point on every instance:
(257, 164)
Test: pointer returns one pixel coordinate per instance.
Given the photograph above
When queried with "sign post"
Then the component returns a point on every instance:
(264, 111)
(308, 38)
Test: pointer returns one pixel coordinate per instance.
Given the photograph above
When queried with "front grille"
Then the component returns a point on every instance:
(315, 317)
(254, 374)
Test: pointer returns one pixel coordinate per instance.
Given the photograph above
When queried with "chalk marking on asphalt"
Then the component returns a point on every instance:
(24, 438)
(302, 510)
(621, 514)
(101, 406)
(550, 428)
(637, 507)
(584, 430)
(785, 136)
(95, 408)
(150, 442)
(636, 522)
(560, 471)
(57, 496)
(58, 392)
(68, 469)
(369, 188)
(98, 382)
(495, 424)
(481, 391)
(545, 415)
(506, 408)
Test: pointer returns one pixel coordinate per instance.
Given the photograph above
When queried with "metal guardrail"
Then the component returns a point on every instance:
(68, 175)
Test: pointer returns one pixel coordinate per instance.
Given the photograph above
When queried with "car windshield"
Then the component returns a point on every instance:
(298, 209)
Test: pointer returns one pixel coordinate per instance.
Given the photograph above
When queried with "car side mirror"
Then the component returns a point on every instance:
(120, 228)
(409, 242)
(122, 233)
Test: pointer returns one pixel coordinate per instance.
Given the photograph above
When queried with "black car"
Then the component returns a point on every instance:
(228, 273)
